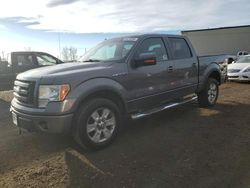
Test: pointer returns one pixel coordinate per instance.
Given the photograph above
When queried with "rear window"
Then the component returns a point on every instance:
(180, 48)
(24, 60)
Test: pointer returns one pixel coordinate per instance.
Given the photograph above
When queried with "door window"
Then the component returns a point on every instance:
(24, 60)
(180, 48)
(156, 46)
(45, 60)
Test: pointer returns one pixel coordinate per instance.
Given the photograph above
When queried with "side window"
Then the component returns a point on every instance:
(180, 48)
(24, 60)
(126, 48)
(45, 60)
(154, 45)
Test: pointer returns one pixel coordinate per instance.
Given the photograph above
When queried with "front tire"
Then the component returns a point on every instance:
(97, 123)
(209, 95)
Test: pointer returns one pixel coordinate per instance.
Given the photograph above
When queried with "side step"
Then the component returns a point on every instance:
(155, 110)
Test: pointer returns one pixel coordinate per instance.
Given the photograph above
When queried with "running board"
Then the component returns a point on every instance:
(155, 110)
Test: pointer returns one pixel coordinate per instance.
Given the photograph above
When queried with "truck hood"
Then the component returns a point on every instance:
(64, 69)
(239, 66)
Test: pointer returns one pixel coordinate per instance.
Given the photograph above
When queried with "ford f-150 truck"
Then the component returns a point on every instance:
(21, 62)
(131, 76)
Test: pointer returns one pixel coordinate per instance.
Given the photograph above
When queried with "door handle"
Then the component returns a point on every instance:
(170, 69)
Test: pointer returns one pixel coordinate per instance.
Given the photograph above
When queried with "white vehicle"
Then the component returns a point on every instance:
(242, 53)
(240, 69)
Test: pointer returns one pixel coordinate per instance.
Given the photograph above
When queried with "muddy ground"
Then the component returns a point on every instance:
(183, 147)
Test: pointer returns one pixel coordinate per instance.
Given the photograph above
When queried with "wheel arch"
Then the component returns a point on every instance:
(102, 88)
(107, 94)
(212, 71)
(216, 75)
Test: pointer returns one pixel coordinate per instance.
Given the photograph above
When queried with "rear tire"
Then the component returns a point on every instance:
(97, 123)
(209, 95)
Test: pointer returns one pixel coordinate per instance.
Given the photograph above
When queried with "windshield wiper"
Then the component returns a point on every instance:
(92, 60)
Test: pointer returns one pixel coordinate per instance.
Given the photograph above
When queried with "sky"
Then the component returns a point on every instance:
(50, 25)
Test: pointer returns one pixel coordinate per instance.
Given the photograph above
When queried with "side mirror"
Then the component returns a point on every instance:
(145, 59)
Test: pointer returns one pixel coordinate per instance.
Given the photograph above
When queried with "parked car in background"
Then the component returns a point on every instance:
(242, 53)
(23, 61)
(132, 76)
(240, 69)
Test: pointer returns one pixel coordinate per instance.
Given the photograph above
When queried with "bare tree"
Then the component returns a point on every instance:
(69, 53)
(65, 54)
(73, 53)
(3, 57)
(27, 48)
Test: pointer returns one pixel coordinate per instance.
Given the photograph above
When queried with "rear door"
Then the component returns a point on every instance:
(22, 62)
(185, 66)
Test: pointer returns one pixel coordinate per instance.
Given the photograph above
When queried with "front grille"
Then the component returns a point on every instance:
(24, 91)
(233, 76)
(233, 70)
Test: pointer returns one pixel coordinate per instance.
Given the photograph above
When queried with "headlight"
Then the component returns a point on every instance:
(49, 93)
(247, 70)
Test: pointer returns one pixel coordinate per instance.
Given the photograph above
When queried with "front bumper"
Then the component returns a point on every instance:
(239, 76)
(49, 124)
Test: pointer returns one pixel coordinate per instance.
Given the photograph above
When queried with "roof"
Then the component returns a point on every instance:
(145, 35)
(218, 28)
(27, 52)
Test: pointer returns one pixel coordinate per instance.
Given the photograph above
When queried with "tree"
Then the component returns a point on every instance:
(27, 48)
(65, 54)
(69, 53)
(73, 53)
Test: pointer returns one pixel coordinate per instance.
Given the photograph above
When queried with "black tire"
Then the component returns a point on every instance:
(85, 116)
(205, 97)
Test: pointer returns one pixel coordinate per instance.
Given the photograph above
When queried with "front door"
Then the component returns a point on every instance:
(147, 84)
(44, 59)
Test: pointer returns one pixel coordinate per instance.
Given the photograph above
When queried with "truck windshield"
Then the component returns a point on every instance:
(109, 50)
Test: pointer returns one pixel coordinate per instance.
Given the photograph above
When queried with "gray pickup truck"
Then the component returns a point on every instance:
(131, 76)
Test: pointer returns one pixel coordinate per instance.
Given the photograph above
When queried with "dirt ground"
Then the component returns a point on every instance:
(183, 147)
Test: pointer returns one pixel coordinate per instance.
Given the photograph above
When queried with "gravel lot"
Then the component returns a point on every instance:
(183, 147)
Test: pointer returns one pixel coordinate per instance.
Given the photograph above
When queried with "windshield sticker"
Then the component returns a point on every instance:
(130, 39)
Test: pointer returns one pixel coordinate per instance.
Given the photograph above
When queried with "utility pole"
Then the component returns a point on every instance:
(59, 44)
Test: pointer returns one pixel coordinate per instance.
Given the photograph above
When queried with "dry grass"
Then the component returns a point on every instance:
(50, 173)
(6, 95)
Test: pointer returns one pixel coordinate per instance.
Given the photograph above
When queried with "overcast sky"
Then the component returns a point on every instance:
(83, 23)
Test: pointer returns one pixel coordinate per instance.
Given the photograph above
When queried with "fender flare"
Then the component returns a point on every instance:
(89, 87)
(211, 68)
